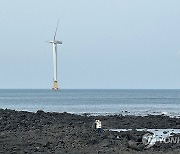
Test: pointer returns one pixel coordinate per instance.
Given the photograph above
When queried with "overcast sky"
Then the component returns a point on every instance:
(111, 44)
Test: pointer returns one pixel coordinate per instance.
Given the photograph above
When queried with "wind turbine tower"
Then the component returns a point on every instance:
(55, 43)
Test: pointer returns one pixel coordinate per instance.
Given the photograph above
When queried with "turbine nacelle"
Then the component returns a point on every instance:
(56, 42)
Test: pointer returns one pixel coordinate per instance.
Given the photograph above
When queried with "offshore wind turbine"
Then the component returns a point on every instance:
(54, 42)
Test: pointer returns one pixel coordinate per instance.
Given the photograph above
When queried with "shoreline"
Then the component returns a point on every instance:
(123, 113)
(52, 132)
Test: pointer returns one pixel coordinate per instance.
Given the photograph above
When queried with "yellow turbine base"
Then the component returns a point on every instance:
(55, 85)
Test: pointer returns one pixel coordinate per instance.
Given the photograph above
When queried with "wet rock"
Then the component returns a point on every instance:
(40, 112)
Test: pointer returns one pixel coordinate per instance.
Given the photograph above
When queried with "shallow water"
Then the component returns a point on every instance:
(158, 135)
(138, 102)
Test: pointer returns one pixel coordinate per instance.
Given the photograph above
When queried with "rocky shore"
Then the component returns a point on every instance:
(26, 132)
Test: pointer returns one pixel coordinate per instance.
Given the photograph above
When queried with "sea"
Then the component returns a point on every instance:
(93, 101)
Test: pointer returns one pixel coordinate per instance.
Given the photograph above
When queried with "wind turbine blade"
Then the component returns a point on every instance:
(56, 30)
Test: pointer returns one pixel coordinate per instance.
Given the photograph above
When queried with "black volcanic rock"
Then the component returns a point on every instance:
(41, 132)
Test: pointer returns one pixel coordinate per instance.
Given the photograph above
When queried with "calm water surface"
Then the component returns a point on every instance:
(139, 102)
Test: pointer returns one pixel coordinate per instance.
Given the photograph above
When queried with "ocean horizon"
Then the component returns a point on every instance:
(93, 101)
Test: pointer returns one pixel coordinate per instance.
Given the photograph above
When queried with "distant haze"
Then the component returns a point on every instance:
(108, 44)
